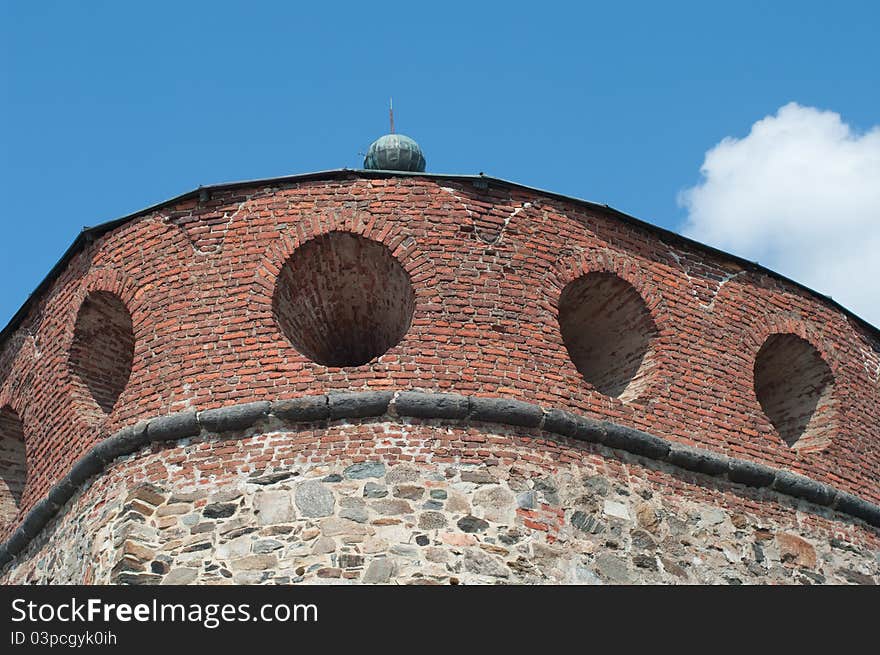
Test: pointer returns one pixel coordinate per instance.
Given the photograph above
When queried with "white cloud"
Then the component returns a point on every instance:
(801, 195)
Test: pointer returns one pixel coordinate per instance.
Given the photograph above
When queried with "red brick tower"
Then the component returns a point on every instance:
(389, 376)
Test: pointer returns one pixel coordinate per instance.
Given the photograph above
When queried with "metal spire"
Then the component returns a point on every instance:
(391, 113)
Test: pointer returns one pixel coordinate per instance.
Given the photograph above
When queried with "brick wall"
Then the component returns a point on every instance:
(486, 269)
(13, 465)
(343, 300)
(101, 353)
(608, 332)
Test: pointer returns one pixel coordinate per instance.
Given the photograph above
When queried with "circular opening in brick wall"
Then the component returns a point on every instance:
(608, 330)
(794, 386)
(103, 348)
(13, 465)
(343, 300)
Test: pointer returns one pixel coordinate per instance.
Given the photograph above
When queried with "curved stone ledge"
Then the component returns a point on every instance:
(422, 405)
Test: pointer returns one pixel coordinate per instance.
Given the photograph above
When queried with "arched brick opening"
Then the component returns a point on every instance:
(103, 348)
(13, 465)
(794, 386)
(608, 330)
(343, 300)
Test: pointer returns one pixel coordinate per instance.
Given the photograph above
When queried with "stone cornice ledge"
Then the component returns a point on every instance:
(426, 405)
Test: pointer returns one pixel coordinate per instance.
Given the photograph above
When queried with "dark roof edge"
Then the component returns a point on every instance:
(89, 234)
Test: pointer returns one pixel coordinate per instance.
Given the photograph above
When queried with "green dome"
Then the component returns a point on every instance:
(395, 152)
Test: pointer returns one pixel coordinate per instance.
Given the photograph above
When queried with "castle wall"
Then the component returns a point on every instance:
(429, 502)
(435, 285)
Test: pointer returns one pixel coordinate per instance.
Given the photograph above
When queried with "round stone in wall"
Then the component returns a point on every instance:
(314, 499)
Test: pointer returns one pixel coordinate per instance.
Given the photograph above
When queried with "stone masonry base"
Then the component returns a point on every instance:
(376, 502)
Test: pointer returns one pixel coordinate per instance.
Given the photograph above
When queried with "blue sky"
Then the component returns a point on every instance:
(108, 107)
